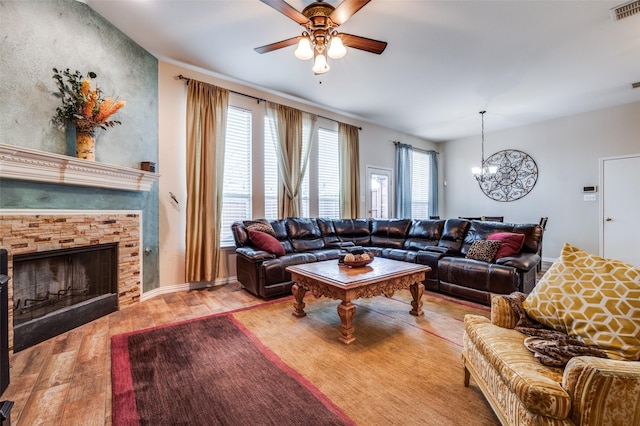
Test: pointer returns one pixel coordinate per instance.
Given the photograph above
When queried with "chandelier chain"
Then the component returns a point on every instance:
(482, 158)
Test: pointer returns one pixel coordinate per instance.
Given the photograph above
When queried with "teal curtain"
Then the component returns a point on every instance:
(433, 183)
(404, 163)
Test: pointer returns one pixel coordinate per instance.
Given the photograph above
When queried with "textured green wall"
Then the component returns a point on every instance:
(40, 35)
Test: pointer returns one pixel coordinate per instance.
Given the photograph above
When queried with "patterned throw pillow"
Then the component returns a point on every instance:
(483, 250)
(592, 298)
(259, 225)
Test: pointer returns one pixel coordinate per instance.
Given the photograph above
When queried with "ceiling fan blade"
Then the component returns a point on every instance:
(346, 10)
(363, 43)
(277, 45)
(287, 10)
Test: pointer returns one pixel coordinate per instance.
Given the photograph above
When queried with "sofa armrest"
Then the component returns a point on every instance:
(603, 391)
(442, 250)
(523, 261)
(341, 244)
(253, 254)
(502, 313)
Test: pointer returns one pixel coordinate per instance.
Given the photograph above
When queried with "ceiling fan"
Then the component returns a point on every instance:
(320, 37)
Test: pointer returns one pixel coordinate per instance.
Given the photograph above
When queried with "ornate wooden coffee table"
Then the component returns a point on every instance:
(382, 276)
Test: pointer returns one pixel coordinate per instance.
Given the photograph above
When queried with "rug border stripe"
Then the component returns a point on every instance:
(122, 384)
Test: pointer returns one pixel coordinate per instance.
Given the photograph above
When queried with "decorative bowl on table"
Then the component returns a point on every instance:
(358, 260)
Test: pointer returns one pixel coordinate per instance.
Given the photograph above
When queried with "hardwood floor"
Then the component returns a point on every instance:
(66, 380)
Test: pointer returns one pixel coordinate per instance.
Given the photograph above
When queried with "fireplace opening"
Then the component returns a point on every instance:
(56, 291)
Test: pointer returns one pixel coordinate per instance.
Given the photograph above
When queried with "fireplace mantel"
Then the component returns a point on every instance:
(21, 163)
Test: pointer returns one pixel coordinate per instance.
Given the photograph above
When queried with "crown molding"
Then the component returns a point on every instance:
(28, 164)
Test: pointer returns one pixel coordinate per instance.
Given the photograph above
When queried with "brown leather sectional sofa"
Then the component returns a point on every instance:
(440, 244)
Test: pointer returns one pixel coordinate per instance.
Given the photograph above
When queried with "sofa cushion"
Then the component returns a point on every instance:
(453, 234)
(280, 228)
(266, 242)
(536, 386)
(510, 243)
(328, 232)
(389, 232)
(483, 250)
(356, 231)
(304, 234)
(592, 298)
(477, 275)
(423, 234)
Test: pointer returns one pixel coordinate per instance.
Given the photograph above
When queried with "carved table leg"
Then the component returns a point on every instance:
(346, 311)
(298, 304)
(417, 289)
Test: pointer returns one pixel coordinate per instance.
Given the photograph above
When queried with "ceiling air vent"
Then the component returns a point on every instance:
(625, 10)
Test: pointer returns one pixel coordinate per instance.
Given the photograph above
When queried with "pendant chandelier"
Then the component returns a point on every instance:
(485, 171)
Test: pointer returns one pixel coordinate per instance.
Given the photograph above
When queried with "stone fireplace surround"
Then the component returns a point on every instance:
(29, 231)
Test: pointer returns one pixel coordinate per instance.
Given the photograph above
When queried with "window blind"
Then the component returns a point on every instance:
(420, 185)
(236, 193)
(328, 174)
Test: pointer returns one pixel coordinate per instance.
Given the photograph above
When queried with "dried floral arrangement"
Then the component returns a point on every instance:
(84, 106)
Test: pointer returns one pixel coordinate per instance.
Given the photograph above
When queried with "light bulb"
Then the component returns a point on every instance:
(493, 169)
(476, 170)
(336, 48)
(320, 66)
(304, 50)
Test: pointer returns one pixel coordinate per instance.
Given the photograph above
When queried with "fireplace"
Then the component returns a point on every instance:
(31, 233)
(55, 291)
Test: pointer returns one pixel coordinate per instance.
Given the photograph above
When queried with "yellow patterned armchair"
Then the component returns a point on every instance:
(522, 391)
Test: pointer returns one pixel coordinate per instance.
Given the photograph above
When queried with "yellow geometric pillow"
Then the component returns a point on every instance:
(592, 298)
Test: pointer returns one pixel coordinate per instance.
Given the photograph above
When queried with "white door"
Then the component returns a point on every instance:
(379, 192)
(620, 203)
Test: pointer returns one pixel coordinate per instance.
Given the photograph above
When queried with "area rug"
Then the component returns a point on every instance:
(263, 365)
(210, 372)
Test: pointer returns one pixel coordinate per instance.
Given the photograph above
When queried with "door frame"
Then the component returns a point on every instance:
(383, 170)
(601, 198)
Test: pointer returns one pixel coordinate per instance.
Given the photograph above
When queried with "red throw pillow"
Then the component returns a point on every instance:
(266, 242)
(510, 243)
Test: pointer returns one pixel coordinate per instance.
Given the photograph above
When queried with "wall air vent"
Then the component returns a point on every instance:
(625, 10)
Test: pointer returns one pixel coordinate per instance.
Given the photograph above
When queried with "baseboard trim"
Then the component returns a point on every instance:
(549, 260)
(184, 287)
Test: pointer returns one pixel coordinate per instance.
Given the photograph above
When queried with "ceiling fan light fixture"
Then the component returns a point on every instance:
(320, 37)
(336, 48)
(320, 65)
(304, 50)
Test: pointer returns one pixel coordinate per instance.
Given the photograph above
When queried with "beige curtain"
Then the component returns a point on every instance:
(287, 128)
(206, 127)
(349, 142)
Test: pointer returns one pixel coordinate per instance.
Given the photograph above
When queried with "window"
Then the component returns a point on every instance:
(250, 189)
(271, 173)
(420, 185)
(236, 192)
(328, 174)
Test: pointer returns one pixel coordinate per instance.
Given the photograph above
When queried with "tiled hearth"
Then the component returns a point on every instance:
(29, 231)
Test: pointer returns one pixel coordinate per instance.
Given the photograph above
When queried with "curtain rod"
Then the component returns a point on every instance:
(187, 79)
(417, 149)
